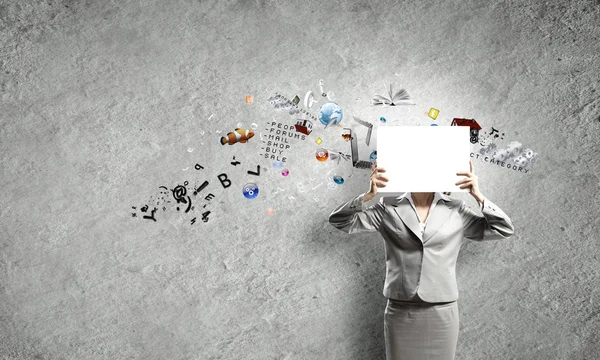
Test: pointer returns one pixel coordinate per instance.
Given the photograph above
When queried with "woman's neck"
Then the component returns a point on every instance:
(422, 198)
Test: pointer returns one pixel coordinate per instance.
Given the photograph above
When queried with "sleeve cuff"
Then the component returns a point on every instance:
(358, 204)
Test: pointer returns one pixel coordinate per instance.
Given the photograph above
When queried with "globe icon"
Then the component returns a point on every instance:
(330, 114)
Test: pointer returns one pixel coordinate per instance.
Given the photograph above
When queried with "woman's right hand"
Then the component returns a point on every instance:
(377, 180)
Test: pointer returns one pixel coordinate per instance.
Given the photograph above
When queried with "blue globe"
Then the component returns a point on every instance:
(329, 111)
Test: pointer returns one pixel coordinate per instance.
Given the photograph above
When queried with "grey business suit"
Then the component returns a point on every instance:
(415, 265)
(420, 269)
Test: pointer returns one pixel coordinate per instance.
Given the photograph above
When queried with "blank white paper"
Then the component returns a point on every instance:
(423, 158)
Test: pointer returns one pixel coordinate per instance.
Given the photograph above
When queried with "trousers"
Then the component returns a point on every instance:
(420, 330)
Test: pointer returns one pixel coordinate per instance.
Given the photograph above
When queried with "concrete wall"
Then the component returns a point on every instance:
(104, 102)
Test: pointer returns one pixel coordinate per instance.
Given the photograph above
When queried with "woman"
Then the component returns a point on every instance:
(422, 235)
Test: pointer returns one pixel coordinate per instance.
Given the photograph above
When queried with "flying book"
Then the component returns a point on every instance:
(400, 98)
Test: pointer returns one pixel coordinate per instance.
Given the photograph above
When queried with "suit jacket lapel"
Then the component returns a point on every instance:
(408, 217)
(440, 214)
(437, 218)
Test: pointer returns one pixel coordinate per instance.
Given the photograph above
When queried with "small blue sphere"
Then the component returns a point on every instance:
(250, 191)
(382, 119)
(338, 180)
(329, 111)
(373, 156)
(434, 125)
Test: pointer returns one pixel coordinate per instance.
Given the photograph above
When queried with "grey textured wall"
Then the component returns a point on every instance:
(102, 102)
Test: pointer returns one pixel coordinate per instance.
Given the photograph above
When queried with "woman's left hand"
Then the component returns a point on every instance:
(470, 182)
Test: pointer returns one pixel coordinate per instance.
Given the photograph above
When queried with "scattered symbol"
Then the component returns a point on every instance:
(304, 126)
(198, 167)
(185, 168)
(204, 206)
(296, 100)
(250, 191)
(144, 208)
(331, 185)
(209, 118)
(400, 98)
(472, 124)
(238, 135)
(193, 221)
(321, 83)
(316, 199)
(279, 190)
(201, 132)
(235, 163)
(338, 155)
(133, 207)
(291, 198)
(151, 217)
(204, 184)
(254, 126)
(208, 197)
(496, 136)
(249, 99)
(373, 156)
(185, 183)
(205, 216)
(331, 96)
(218, 131)
(179, 194)
(347, 136)
(314, 187)
(368, 125)
(190, 149)
(164, 208)
(322, 154)
(285, 172)
(270, 212)
(330, 114)
(133, 215)
(433, 113)
(300, 188)
(224, 180)
(309, 100)
(338, 180)
(257, 173)
(318, 141)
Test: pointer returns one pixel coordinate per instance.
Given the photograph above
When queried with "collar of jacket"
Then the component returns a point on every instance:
(435, 220)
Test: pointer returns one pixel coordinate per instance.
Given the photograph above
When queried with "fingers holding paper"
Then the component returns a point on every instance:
(378, 181)
(471, 181)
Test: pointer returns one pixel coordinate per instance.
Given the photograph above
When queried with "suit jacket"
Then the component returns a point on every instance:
(422, 267)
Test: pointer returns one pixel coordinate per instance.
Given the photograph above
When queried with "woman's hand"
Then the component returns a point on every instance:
(377, 181)
(470, 182)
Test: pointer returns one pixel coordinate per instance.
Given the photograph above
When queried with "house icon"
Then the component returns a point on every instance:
(472, 124)
(303, 126)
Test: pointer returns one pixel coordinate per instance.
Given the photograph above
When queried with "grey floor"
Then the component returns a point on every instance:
(104, 102)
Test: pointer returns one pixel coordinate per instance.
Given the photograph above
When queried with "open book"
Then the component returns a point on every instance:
(400, 98)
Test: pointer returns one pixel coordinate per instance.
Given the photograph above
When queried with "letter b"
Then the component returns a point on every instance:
(224, 181)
